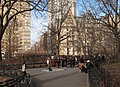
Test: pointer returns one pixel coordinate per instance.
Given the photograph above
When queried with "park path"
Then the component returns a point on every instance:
(63, 77)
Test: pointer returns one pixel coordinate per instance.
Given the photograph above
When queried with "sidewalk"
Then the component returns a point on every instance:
(69, 77)
(87, 81)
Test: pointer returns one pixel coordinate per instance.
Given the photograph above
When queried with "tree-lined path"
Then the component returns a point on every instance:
(69, 77)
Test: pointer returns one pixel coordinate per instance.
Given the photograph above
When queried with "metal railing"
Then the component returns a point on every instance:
(97, 75)
(23, 80)
(96, 78)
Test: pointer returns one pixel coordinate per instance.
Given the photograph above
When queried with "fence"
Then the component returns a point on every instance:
(98, 77)
(20, 81)
(15, 77)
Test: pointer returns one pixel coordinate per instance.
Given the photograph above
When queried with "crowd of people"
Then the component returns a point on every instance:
(62, 62)
(81, 63)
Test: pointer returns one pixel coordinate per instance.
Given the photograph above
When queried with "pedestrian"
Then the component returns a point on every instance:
(85, 69)
(24, 68)
(53, 62)
(71, 62)
(65, 61)
(48, 62)
(81, 67)
(88, 65)
(82, 60)
(58, 62)
(76, 60)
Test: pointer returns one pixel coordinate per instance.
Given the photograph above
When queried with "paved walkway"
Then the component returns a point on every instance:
(69, 77)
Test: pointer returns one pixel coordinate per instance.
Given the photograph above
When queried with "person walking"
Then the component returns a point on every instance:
(76, 61)
(24, 68)
(82, 65)
(88, 65)
(65, 61)
(48, 64)
(71, 62)
(82, 60)
(58, 62)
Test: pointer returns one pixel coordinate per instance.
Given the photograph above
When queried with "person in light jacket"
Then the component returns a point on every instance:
(24, 68)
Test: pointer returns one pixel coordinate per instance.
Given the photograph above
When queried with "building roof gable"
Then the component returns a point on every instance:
(70, 20)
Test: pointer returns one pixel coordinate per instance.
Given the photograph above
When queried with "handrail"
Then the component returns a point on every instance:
(95, 74)
(30, 80)
(17, 81)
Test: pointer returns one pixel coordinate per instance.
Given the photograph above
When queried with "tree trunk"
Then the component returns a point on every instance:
(58, 45)
(58, 48)
(1, 37)
(118, 50)
(0, 49)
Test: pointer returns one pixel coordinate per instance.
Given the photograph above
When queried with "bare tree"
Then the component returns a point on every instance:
(107, 12)
(57, 19)
(10, 34)
(55, 34)
(8, 11)
(93, 36)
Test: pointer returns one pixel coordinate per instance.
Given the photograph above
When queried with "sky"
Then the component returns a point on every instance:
(37, 25)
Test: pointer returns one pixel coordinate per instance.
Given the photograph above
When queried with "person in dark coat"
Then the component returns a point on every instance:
(65, 62)
(82, 60)
(88, 65)
(71, 62)
(62, 62)
(58, 62)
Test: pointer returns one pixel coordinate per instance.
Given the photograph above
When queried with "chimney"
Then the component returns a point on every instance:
(74, 7)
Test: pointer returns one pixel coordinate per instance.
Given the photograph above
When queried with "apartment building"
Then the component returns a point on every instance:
(24, 27)
(17, 35)
(83, 35)
(94, 37)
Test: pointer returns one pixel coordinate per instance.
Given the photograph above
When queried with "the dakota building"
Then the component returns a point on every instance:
(62, 20)
(69, 28)
(82, 35)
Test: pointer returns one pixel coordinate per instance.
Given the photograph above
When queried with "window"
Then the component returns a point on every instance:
(26, 38)
(26, 34)
(26, 42)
